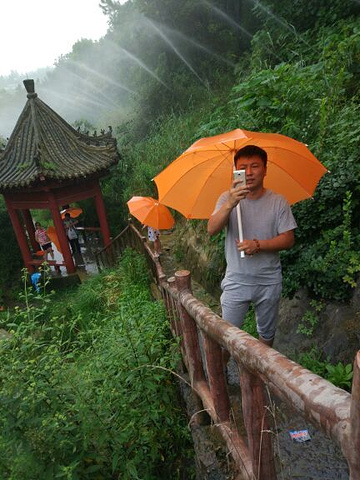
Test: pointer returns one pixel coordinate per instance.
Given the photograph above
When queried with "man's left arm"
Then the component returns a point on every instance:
(283, 241)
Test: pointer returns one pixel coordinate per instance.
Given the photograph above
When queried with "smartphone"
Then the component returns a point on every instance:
(240, 175)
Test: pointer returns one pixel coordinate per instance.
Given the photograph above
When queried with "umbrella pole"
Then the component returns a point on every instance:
(241, 235)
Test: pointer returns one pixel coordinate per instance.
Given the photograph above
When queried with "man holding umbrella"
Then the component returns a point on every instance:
(192, 184)
(268, 227)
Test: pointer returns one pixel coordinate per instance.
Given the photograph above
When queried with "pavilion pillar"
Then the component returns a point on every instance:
(101, 212)
(20, 235)
(60, 231)
(30, 229)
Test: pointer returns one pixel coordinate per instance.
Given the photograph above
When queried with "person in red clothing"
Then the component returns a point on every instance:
(43, 240)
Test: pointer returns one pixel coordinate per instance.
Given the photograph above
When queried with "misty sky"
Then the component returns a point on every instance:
(34, 33)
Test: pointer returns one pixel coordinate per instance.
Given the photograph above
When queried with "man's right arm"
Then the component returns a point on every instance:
(220, 218)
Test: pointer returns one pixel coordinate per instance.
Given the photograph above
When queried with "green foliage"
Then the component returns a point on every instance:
(313, 361)
(217, 264)
(305, 14)
(331, 264)
(310, 320)
(210, 248)
(340, 375)
(86, 384)
(249, 324)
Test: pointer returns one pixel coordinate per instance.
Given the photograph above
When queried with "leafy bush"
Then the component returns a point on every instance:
(86, 386)
(305, 14)
(310, 319)
(249, 324)
(330, 265)
(313, 361)
(340, 375)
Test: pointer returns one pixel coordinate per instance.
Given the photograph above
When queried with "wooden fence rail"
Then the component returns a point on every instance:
(204, 334)
(129, 237)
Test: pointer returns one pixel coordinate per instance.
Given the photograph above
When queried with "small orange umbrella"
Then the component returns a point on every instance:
(74, 212)
(193, 182)
(150, 212)
(51, 233)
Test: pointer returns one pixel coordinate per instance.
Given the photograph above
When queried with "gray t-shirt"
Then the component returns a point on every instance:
(264, 218)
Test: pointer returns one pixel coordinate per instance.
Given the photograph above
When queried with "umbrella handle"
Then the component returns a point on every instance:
(241, 235)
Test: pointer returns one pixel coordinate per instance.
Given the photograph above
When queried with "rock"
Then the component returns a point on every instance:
(336, 333)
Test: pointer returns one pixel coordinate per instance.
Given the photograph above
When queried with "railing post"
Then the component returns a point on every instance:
(169, 305)
(216, 376)
(255, 414)
(111, 255)
(97, 259)
(189, 330)
(353, 448)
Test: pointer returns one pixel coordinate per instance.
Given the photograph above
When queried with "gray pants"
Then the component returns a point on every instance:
(236, 299)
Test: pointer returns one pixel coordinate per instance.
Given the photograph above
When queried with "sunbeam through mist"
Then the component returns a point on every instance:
(103, 77)
(197, 45)
(158, 30)
(136, 60)
(232, 22)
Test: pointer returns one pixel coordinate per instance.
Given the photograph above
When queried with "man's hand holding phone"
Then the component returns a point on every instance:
(239, 178)
(239, 189)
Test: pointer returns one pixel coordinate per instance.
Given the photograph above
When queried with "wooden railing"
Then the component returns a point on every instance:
(204, 334)
(129, 237)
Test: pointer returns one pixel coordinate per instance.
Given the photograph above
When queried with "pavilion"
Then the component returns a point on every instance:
(47, 164)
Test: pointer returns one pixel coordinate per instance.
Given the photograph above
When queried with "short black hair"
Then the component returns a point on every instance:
(251, 151)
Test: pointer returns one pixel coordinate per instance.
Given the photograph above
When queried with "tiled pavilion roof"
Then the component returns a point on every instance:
(44, 147)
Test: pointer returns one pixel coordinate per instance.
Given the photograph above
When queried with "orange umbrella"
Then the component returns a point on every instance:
(74, 212)
(150, 212)
(193, 182)
(51, 233)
